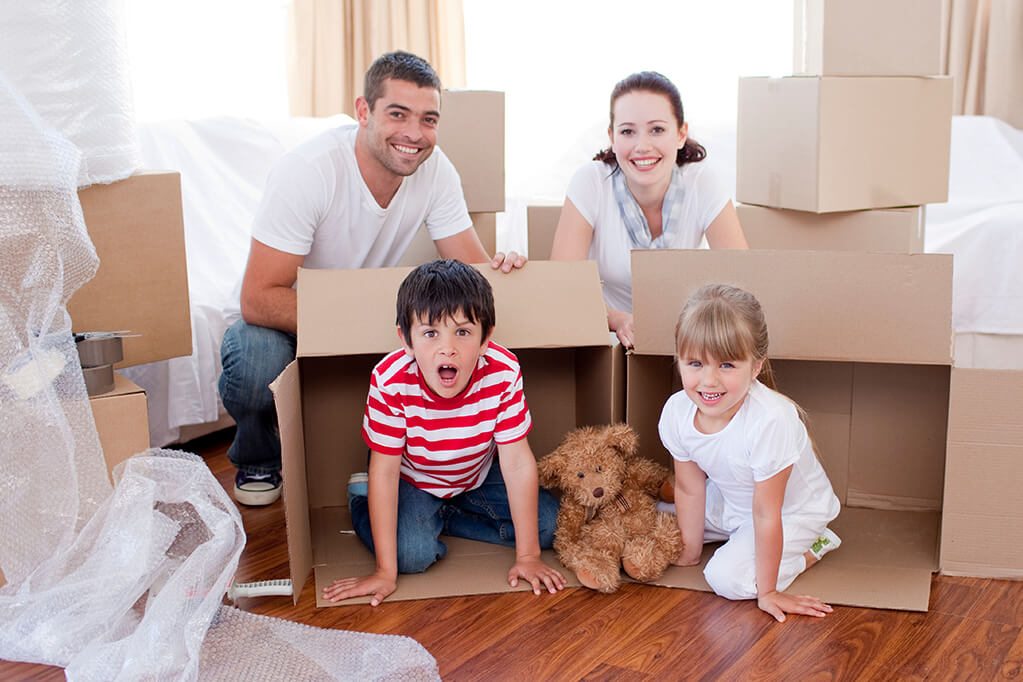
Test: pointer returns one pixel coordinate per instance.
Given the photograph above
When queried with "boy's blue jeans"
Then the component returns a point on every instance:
(480, 514)
(252, 357)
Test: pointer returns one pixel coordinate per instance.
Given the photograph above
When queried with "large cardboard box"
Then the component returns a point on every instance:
(551, 315)
(900, 230)
(914, 447)
(422, 249)
(122, 421)
(867, 38)
(471, 134)
(142, 283)
(827, 144)
(541, 224)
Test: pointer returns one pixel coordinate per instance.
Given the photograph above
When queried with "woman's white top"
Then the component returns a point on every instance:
(591, 192)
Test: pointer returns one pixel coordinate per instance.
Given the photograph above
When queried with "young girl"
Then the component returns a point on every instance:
(745, 468)
(648, 190)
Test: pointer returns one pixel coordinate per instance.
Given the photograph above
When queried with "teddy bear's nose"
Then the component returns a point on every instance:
(598, 492)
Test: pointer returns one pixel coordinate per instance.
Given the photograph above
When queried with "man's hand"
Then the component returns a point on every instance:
(536, 572)
(507, 262)
(377, 584)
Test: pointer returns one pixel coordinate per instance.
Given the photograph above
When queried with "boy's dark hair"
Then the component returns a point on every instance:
(403, 66)
(442, 289)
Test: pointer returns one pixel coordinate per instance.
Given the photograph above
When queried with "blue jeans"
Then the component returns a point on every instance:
(480, 514)
(252, 357)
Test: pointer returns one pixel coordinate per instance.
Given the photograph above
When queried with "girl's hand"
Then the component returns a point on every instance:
(778, 604)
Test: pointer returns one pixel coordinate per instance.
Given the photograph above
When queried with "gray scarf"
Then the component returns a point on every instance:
(635, 221)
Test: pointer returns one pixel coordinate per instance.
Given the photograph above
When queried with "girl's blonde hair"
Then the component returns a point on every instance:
(726, 323)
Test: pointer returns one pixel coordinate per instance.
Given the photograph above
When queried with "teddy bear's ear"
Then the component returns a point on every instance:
(622, 438)
(549, 468)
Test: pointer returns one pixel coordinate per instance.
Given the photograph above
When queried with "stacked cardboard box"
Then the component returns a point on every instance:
(471, 134)
(141, 287)
(863, 125)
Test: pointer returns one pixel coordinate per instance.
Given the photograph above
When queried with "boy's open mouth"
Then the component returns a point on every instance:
(447, 374)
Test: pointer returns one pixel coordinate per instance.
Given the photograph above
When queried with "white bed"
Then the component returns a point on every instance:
(224, 162)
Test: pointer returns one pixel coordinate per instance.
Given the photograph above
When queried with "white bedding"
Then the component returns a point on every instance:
(224, 162)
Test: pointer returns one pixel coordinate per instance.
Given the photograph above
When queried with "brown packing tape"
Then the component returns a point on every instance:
(96, 351)
(98, 380)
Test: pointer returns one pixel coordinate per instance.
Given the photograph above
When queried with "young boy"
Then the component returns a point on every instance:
(438, 410)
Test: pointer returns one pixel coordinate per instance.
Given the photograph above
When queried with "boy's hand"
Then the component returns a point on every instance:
(778, 604)
(507, 262)
(377, 584)
(532, 569)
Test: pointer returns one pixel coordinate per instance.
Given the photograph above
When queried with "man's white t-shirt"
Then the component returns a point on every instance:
(316, 204)
(591, 191)
(765, 436)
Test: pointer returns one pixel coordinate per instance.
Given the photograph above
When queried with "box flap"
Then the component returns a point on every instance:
(885, 561)
(288, 398)
(544, 305)
(820, 305)
(470, 567)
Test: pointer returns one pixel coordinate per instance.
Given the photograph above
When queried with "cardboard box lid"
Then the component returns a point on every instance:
(544, 305)
(820, 305)
(471, 133)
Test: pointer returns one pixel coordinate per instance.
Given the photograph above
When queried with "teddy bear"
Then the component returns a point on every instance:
(608, 517)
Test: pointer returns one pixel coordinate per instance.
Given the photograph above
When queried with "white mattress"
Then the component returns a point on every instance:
(223, 164)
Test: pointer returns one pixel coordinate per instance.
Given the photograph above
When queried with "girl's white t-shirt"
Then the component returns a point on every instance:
(591, 191)
(765, 436)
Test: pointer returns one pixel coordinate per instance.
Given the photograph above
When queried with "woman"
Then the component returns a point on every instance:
(647, 190)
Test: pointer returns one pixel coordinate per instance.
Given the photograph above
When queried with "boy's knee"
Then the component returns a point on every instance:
(417, 560)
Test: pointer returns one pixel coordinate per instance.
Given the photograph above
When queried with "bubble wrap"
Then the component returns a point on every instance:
(68, 58)
(116, 583)
(244, 646)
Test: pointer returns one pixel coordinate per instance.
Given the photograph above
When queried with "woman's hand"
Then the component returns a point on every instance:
(620, 322)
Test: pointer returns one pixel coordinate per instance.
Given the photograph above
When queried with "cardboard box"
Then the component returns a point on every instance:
(541, 224)
(826, 144)
(122, 421)
(899, 230)
(142, 284)
(422, 249)
(862, 341)
(867, 38)
(551, 315)
(471, 134)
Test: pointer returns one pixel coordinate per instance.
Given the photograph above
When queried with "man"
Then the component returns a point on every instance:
(352, 197)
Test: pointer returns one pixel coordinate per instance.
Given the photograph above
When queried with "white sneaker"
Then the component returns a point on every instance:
(825, 543)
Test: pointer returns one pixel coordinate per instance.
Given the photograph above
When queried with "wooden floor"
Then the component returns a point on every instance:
(972, 631)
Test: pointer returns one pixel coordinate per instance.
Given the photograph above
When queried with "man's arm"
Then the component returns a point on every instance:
(268, 299)
(467, 247)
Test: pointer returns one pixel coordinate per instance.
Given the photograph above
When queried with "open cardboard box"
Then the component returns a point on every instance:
(916, 449)
(551, 315)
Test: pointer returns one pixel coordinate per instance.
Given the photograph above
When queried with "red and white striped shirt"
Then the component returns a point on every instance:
(447, 445)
